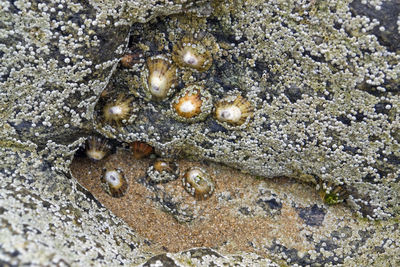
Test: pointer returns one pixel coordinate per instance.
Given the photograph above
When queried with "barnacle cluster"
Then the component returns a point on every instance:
(331, 194)
(324, 82)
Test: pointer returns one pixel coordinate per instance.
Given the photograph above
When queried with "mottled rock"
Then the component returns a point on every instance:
(323, 78)
(207, 257)
(317, 116)
(160, 260)
(47, 218)
(276, 218)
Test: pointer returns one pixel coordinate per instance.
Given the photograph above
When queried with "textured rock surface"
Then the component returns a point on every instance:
(207, 257)
(322, 77)
(280, 218)
(47, 218)
(324, 89)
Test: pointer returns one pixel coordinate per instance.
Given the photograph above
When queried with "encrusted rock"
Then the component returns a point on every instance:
(322, 77)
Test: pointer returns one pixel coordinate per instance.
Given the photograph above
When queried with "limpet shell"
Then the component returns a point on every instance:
(113, 181)
(198, 183)
(163, 170)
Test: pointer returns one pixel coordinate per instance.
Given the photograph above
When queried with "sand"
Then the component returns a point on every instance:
(243, 214)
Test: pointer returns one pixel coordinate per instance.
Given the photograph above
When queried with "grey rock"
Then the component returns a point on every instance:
(325, 98)
(324, 84)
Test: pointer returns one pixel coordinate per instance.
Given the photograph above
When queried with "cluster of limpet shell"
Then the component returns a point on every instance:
(192, 104)
(163, 170)
(159, 80)
(198, 183)
(113, 182)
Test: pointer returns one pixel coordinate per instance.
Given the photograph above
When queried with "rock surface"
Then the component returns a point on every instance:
(322, 77)
(323, 87)
(279, 218)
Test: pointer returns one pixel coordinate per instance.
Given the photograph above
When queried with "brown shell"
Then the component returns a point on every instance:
(128, 60)
(141, 149)
(193, 99)
(163, 170)
(192, 104)
(166, 165)
(117, 110)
